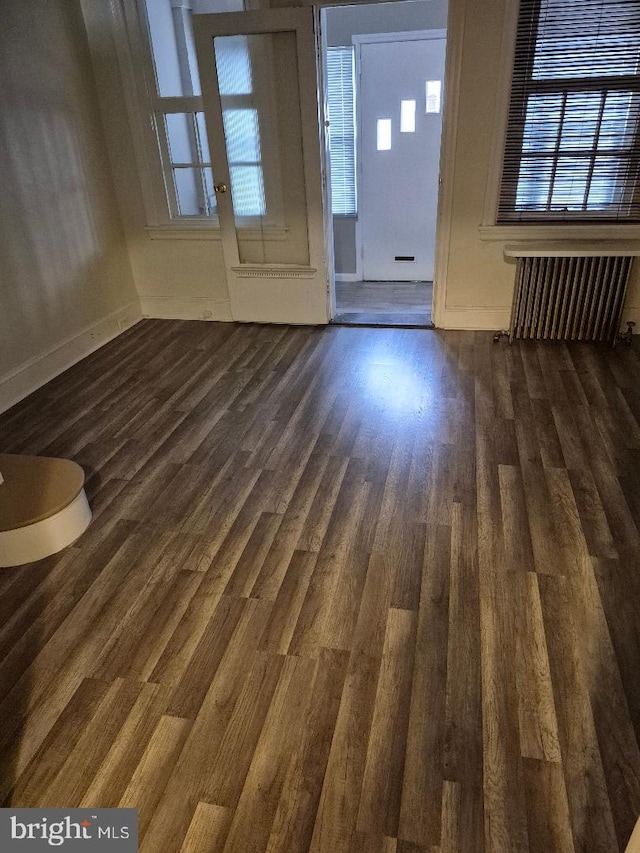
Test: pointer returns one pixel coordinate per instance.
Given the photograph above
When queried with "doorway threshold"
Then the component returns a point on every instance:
(384, 303)
(391, 320)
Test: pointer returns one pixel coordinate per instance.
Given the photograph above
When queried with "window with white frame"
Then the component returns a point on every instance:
(342, 129)
(177, 109)
(187, 165)
(572, 146)
(179, 118)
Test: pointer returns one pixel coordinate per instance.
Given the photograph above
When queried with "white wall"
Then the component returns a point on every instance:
(479, 281)
(65, 281)
(344, 244)
(343, 22)
(175, 277)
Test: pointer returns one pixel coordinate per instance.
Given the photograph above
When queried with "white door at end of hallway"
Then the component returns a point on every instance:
(400, 125)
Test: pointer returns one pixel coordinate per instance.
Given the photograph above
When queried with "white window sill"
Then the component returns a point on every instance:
(610, 233)
(180, 232)
(572, 249)
(205, 231)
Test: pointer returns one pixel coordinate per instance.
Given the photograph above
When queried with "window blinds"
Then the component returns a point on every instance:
(342, 136)
(572, 139)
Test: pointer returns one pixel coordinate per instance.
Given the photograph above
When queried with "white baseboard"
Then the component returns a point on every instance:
(37, 371)
(476, 319)
(347, 276)
(188, 308)
(496, 319)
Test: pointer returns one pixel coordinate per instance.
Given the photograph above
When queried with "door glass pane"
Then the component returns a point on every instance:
(234, 65)
(258, 84)
(248, 191)
(383, 134)
(242, 132)
(407, 116)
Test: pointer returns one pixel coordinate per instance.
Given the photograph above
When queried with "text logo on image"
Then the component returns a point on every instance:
(86, 830)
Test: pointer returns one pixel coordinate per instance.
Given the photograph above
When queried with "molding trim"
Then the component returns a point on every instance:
(186, 308)
(403, 35)
(206, 231)
(476, 319)
(495, 319)
(453, 71)
(167, 232)
(347, 276)
(249, 271)
(37, 371)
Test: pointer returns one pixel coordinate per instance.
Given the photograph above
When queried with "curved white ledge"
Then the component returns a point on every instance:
(44, 538)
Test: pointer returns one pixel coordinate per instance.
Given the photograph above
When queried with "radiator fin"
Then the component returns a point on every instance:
(569, 299)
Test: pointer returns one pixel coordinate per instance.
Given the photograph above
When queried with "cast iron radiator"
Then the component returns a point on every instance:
(569, 298)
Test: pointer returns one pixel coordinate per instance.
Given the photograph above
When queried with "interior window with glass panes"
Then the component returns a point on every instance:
(179, 118)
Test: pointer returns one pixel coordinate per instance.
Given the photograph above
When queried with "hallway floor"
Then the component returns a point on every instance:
(383, 303)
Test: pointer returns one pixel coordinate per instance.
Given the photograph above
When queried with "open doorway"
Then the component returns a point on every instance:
(385, 73)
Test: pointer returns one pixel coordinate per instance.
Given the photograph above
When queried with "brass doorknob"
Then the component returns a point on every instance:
(220, 188)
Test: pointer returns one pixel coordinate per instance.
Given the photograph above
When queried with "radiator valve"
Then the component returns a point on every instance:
(626, 337)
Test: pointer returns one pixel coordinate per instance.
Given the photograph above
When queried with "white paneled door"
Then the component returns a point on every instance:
(400, 123)
(259, 87)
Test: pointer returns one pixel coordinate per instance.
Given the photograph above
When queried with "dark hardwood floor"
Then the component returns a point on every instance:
(345, 591)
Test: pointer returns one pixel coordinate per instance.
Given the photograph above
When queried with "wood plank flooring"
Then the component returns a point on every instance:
(345, 591)
(384, 303)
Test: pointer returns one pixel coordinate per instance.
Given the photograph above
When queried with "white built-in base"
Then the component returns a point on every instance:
(44, 538)
(634, 842)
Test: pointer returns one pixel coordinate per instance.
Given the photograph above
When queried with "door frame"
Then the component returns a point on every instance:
(381, 38)
(258, 291)
(456, 20)
(325, 164)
